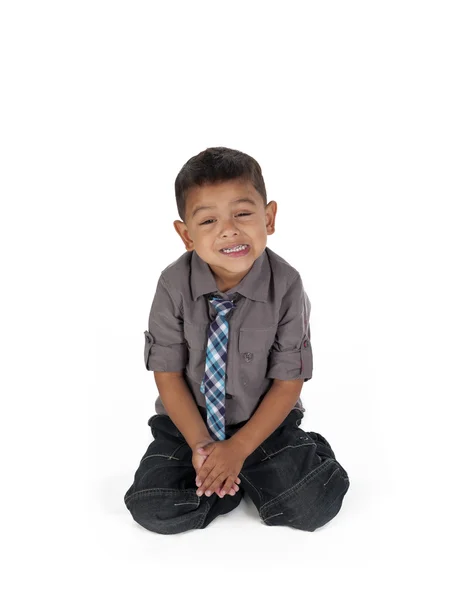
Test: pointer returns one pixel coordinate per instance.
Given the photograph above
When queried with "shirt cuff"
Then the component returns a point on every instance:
(291, 364)
(164, 358)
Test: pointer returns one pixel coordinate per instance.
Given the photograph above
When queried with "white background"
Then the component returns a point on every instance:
(345, 105)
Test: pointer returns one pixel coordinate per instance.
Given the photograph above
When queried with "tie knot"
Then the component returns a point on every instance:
(222, 306)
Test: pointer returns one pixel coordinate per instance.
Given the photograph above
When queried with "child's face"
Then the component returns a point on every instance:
(227, 223)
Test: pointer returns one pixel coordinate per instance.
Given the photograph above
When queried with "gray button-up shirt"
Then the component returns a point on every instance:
(269, 333)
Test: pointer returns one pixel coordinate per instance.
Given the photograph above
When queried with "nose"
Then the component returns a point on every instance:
(229, 228)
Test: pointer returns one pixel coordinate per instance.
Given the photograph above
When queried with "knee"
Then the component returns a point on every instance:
(312, 502)
(166, 510)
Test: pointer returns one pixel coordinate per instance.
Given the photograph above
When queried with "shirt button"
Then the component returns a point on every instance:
(248, 356)
(305, 344)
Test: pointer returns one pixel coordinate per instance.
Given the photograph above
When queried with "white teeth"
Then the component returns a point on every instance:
(235, 249)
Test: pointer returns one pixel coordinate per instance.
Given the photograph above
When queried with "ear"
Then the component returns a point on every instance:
(271, 213)
(182, 230)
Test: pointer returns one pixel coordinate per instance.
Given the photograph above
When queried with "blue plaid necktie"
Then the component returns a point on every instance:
(213, 384)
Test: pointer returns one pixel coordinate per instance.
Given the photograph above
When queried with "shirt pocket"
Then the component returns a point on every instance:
(254, 348)
(196, 337)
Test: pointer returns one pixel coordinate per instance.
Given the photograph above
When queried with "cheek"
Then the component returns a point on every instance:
(205, 240)
(259, 231)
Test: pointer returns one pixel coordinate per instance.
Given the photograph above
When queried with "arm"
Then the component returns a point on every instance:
(273, 409)
(181, 407)
(166, 354)
(289, 365)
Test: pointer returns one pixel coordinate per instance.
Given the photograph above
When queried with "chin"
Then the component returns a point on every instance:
(238, 264)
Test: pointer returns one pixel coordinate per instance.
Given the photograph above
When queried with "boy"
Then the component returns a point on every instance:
(228, 340)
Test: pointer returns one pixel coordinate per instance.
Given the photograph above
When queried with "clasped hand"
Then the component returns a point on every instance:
(222, 466)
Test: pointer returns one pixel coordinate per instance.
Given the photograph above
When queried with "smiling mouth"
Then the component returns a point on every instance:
(237, 250)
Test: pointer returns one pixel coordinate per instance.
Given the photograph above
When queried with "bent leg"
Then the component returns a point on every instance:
(163, 496)
(294, 478)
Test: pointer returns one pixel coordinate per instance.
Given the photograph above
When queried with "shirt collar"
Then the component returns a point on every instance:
(255, 285)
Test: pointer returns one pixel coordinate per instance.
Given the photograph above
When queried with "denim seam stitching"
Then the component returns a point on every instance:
(267, 456)
(290, 492)
(336, 469)
(150, 492)
(272, 516)
(172, 456)
(199, 517)
(205, 512)
(163, 455)
(284, 448)
(250, 483)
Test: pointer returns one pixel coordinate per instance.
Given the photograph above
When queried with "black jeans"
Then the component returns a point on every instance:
(293, 478)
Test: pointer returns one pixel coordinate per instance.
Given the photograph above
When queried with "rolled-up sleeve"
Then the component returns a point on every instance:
(291, 353)
(165, 347)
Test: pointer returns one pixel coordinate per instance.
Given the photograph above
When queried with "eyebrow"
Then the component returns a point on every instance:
(238, 201)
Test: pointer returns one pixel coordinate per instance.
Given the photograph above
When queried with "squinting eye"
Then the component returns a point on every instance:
(239, 215)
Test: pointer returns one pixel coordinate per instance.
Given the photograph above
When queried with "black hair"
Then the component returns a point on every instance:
(217, 165)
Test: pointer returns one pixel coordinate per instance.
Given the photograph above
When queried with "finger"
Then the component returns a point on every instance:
(216, 480)
(235, 486)
(203, 474)
(216, 483)
(205, 486)
(227, 487)
(198, 468)
(234, 489)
